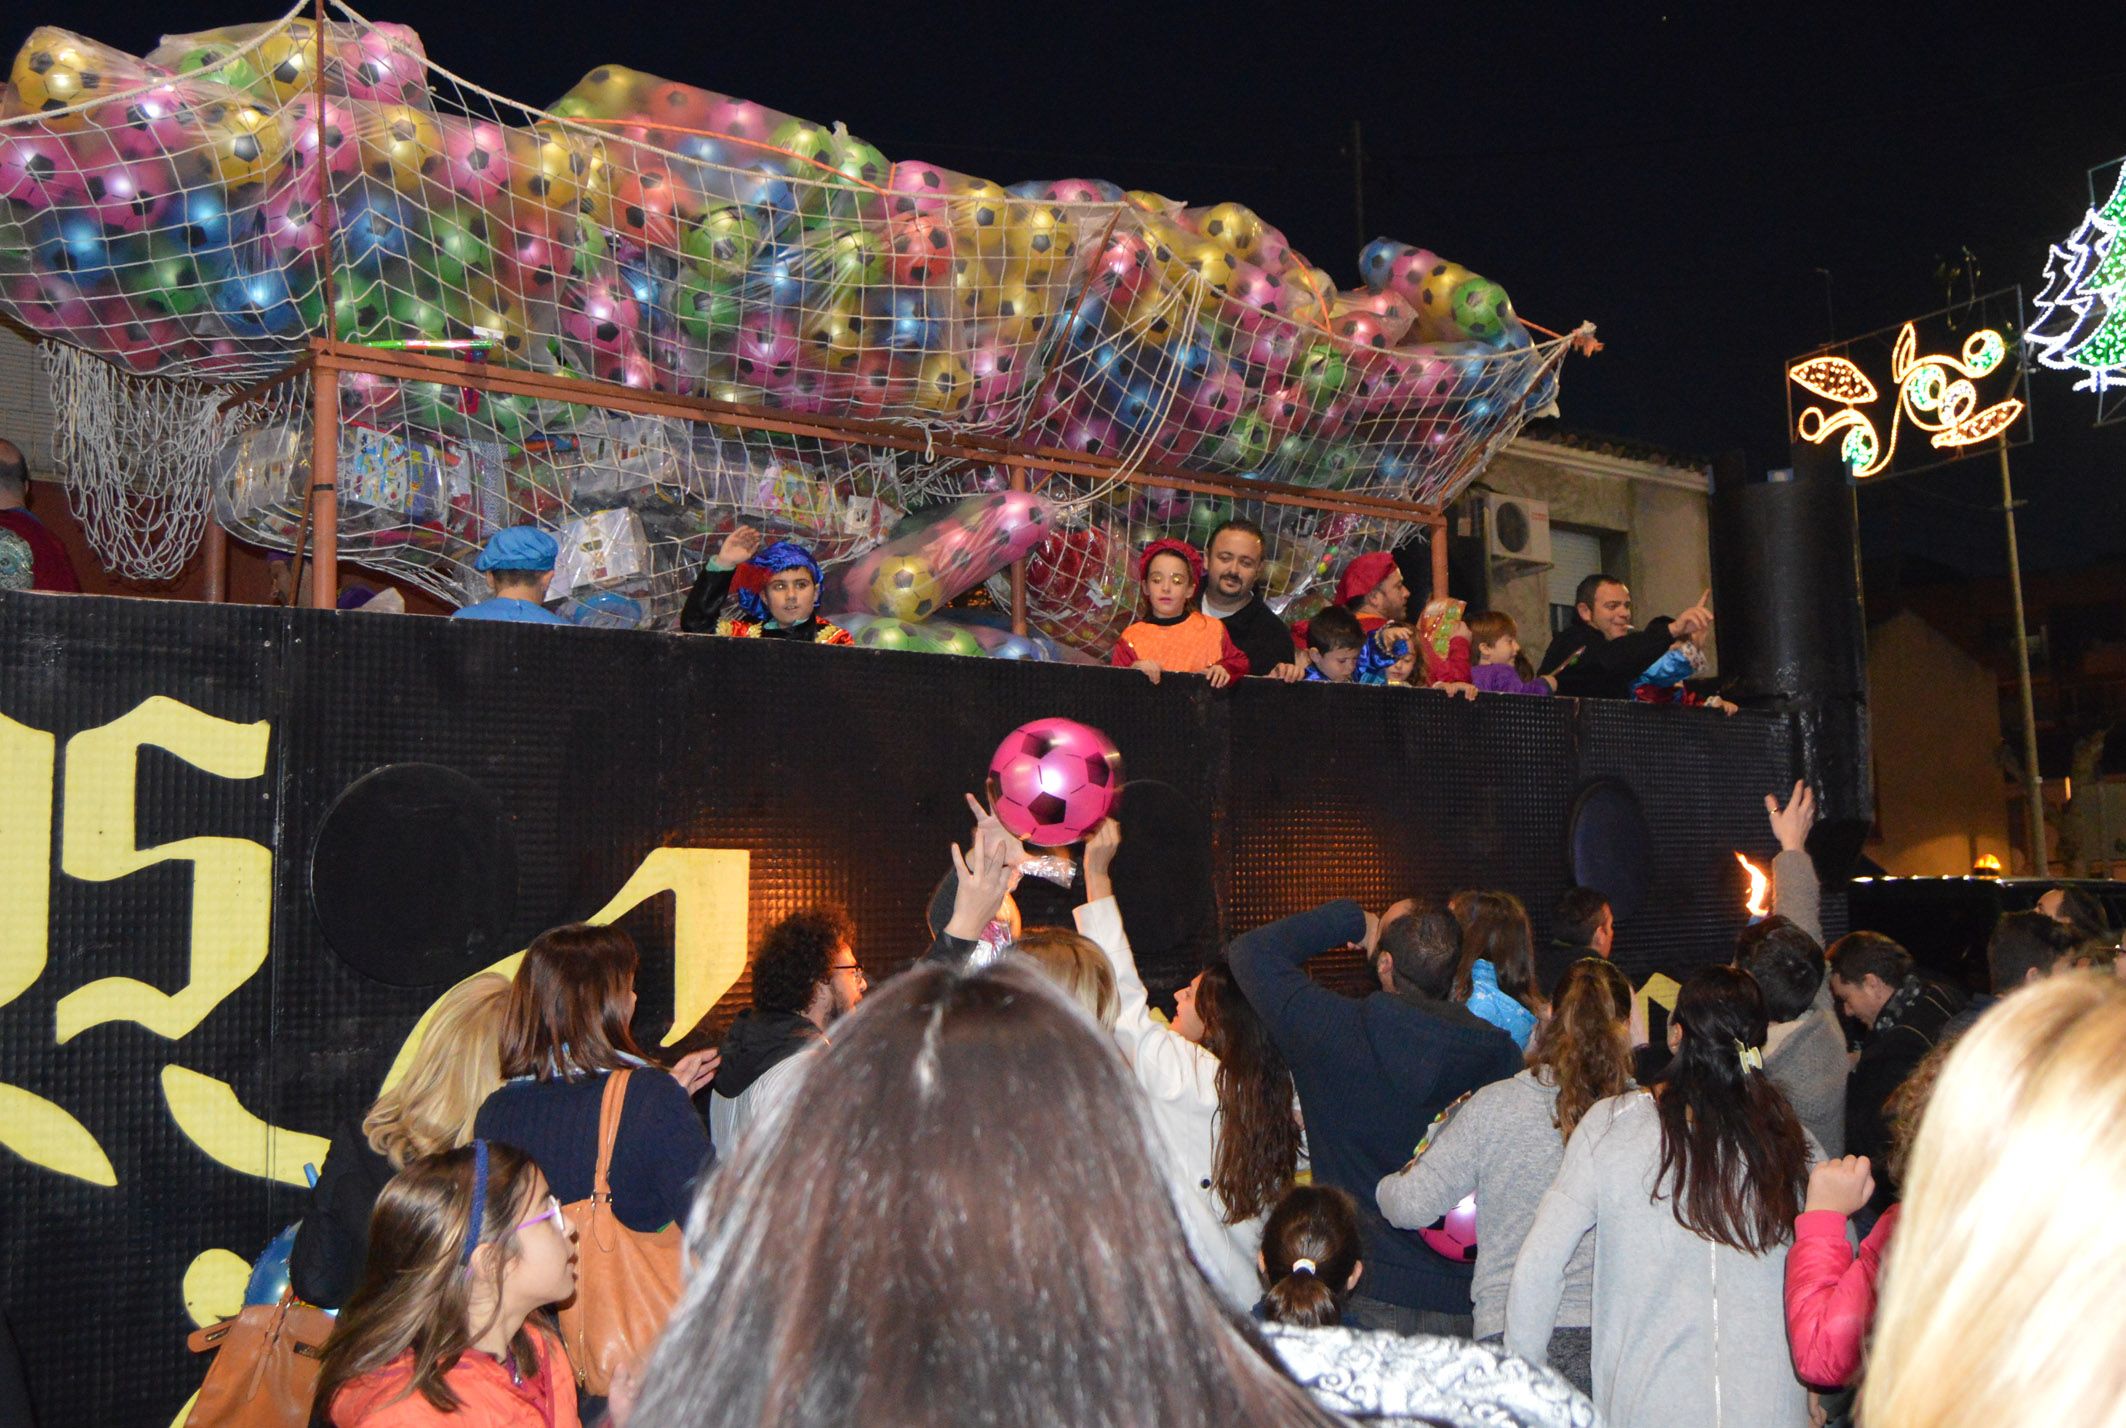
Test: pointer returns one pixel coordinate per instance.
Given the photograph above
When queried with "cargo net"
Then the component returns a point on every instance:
(204, 212)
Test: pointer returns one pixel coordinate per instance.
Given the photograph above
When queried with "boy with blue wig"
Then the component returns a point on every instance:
(776, 591)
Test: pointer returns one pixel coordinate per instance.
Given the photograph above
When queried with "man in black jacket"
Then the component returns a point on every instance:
(1371, 1075)
(1581, 926)
(1234, 564)
(1601, 654)
(1876, 983)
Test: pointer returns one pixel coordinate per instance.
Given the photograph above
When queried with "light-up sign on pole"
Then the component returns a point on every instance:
(2080, 326)
(1942, 386)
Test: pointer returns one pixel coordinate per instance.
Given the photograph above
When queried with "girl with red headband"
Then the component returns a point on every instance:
(1175, 637)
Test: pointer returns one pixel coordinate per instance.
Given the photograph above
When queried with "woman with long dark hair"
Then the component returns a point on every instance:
(1691, 1190)
(565, 1031)
(969, 1229)
(1497, 977)
(446, 1327)
(1220, 1094)
(1505, 1143)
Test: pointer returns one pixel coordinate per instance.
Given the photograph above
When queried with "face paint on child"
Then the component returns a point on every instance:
(790, 596)
(1169, 584)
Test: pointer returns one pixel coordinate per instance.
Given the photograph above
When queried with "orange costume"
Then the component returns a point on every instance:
(489, 1394)
(1190, 644)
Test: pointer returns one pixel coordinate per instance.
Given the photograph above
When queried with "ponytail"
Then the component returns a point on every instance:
(1585, 1048)
(1310, 1250)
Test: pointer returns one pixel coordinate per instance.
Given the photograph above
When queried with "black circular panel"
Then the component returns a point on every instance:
(414, 875)
(1611, 845)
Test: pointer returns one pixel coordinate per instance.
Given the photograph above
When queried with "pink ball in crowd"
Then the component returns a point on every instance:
(1054, 780)
(1455, 1235)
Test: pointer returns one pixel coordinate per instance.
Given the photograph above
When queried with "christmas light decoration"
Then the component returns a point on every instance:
(2081, 322)
(1936, 394)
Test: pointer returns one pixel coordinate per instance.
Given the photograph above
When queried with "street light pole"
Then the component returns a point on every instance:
(2033, 784)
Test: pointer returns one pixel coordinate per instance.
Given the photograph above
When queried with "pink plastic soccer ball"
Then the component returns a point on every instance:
(1455, 1234)
(1053, 780)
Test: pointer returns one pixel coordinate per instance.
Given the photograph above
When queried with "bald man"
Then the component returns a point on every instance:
(31, 557)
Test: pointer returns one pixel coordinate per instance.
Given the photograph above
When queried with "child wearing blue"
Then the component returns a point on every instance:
(518, 563)
(1496, 979)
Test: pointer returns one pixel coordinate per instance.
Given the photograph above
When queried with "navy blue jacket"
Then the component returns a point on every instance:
(662, 1147)
(1371, 1074)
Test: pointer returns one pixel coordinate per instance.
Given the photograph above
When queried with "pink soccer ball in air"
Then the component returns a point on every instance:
(1455, 1234)
(1053, 780)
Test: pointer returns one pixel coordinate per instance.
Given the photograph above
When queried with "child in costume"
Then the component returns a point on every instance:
(777, 590)
(1500, 666)
(1335, 641)
(1663, 681)
(1174, 636)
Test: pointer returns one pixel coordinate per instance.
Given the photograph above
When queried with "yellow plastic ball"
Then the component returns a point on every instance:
(943, 384)
(1021, 309)
(287, 61)
(835, 335)
(246, 143)
(53, 72)
(401, 145)
(547, 166)
(609, 91)
(906, 588)
(1041, 237)
(1234, 226)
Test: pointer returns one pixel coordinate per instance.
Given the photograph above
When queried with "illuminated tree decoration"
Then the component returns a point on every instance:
(1937, 394)
(2081, 323)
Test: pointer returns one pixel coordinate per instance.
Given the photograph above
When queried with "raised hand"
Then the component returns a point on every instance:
(1100, 851)
(738, 547)
(1843, 1185)
(1791, 824)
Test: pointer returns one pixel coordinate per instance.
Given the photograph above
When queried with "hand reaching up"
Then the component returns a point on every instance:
(983, 875)
(738, 547)
(1844, 1185)
(1099, 857)
(1791, 824)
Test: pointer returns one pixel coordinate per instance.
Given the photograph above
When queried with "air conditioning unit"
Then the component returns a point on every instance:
(1517, 529)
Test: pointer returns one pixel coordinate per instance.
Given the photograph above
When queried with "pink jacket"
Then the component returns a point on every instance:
(1830, 1295)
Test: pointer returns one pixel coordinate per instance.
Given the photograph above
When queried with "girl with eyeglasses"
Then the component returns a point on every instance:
(446, 1328)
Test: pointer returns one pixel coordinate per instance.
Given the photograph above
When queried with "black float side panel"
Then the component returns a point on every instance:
(839, 773)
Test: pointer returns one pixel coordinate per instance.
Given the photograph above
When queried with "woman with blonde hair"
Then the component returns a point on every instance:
(1074, 963)
(428, 1110)
(2001, 1303)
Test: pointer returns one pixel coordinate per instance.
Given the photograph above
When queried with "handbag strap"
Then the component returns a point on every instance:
(609, 1109)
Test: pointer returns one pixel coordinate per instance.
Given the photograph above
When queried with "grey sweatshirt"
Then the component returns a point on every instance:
(1687, 1333)
(1806, 1057)
(1503, 1147)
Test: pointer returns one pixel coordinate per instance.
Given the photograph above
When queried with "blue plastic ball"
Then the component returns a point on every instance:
(269, 1272)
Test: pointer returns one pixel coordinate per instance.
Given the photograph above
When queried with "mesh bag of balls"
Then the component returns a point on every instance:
(935, 558)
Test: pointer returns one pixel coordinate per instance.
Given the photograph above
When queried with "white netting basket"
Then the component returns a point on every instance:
(137, 458)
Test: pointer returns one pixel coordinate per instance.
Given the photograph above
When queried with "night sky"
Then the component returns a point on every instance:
(1678, 174)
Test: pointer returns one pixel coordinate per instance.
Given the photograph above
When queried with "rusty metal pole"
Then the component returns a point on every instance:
(324, 487)
(1018, 568)
(1439, 556)
(216, 542)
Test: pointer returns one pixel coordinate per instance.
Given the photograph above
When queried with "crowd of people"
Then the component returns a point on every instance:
(1003, 1187)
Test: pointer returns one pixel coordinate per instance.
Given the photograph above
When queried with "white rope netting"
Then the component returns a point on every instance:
(204, 211)
(137, 459)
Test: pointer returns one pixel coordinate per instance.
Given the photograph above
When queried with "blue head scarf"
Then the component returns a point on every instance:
(771, 561)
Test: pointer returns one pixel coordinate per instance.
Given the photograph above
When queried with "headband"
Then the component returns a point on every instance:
(479, 1200)
(768, 562)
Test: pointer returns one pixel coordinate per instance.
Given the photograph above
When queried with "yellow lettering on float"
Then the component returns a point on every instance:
(232, 878)
(43, 1134)
(709, 888)
(214, 1286)
(26, 757)
(209, 1113)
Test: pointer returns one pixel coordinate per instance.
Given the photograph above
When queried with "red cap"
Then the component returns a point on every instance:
(1363, 574)
(1181, 548)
